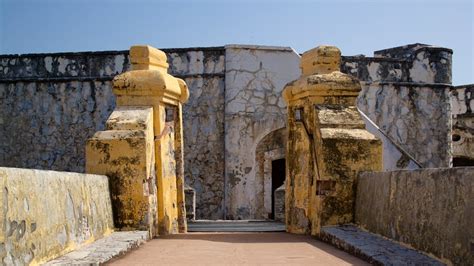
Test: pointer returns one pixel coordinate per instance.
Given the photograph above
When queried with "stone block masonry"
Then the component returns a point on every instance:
(46, 214)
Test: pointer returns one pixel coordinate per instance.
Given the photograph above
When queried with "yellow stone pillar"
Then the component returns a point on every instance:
(327, 144)
(149, 85)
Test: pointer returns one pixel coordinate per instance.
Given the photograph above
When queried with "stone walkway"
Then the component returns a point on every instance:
(276, 248)
(374, 248)
(103, 250)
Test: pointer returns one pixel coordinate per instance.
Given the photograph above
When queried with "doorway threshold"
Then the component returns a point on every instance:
(235, 226)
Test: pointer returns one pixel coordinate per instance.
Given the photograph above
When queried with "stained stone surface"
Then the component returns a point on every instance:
(373, 248)
(429, 209)
(416, 116)
(254, 109)
(50, 104)
(46, 214)
(462, 101)
(103, 250)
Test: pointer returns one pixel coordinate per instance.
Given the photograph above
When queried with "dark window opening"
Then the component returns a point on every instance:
(278, 178)
(462, 161)
(170, 113)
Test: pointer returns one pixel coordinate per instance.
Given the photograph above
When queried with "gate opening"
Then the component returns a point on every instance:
(278, 178)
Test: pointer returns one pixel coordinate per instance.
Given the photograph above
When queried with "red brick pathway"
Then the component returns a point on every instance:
(237, 249)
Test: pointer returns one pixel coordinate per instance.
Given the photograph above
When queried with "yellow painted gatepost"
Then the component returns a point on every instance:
(327, 144)
(141, 150)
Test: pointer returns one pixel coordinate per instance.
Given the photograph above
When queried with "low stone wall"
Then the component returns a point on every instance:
(430, 209)
(46, 214)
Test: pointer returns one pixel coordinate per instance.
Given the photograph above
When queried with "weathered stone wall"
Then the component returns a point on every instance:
(203, 119)
(405, 92)
(46, 214)
(50, 104)
(462, 101)
(430, 209)
(255, 77)
(417, 117)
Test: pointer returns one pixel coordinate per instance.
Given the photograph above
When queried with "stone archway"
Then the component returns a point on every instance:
(271, 148)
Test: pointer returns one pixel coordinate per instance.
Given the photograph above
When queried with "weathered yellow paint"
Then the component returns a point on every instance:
(327, 144)
(125, 153)
(148, 84)
(46, 214)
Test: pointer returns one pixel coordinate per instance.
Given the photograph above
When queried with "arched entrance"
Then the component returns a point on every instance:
(270, 158)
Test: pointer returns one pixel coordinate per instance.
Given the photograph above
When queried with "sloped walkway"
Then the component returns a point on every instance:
(243, 248)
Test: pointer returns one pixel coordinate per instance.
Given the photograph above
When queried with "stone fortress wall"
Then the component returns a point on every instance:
(234, 120)
(462, 102)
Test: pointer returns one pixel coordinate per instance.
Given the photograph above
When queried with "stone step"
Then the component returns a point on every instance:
(235, 226)
(103, 250)
(373, 248)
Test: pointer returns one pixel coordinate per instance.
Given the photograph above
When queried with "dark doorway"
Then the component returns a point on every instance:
(278, 178)
(462, 161)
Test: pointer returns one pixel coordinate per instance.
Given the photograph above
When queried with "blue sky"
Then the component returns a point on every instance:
(356, 27)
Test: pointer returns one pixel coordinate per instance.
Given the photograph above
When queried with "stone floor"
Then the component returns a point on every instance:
(244, 248)
(373, 248)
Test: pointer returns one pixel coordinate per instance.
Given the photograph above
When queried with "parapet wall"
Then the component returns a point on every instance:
(429, 209)
(419, 63)
(46, 214)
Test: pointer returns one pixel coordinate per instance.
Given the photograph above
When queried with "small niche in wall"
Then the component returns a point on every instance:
(299, 112)
(325, 187)
(170, 113)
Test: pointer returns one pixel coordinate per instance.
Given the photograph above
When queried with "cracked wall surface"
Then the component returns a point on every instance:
(417, 117)
(462, 101)
(51, 103)
(405, 91)
(254, 107)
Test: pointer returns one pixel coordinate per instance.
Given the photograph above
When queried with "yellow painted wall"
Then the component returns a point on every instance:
(46, 214)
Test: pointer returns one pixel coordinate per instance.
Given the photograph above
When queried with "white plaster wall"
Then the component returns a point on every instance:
(393, 156)
(254, 79)
(462, 102)
(418, 118)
